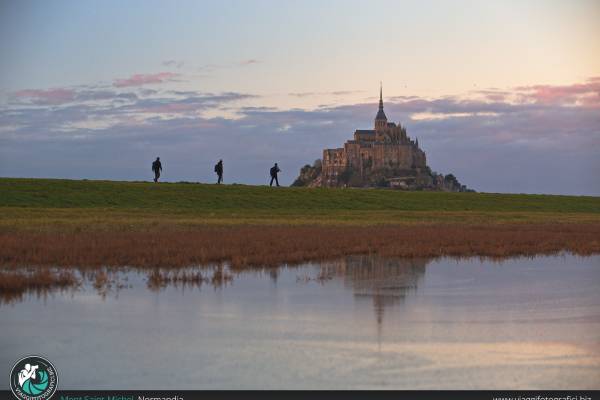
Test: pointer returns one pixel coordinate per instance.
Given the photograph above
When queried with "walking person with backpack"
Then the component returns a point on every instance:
(274, 171)
(219, 171)
(157, 168)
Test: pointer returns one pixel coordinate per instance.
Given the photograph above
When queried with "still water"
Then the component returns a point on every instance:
(362, 322)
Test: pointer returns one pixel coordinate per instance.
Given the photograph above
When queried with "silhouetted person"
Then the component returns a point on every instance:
(274, 170)
(157, 168)
(219, 171)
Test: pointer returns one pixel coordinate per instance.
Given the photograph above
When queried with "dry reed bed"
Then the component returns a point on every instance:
(158, 279)
(257, 246)
(13, 284)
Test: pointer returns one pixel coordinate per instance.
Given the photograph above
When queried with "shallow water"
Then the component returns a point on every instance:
(361, 322)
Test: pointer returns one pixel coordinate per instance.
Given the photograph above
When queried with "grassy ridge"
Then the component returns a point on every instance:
(68, 205)
(47, 193)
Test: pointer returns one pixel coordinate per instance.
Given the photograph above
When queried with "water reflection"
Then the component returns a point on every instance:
(360, 322)
(384, 281)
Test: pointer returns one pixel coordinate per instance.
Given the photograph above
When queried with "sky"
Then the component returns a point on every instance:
(503, 94)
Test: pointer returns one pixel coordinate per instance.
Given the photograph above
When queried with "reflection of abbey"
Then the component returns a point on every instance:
(384, 156)
(384, 281)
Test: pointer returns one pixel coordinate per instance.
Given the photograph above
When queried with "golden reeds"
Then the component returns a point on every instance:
(255, 246)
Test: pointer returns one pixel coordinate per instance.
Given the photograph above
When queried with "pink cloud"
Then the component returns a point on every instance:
(48, 97)
(587, 94)
(145, 79)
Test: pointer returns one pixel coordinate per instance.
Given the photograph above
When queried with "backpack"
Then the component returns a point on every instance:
(273, 171)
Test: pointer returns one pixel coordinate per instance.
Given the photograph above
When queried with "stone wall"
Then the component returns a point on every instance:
(335, 163)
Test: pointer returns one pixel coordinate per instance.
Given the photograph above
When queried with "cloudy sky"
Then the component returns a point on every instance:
(505, 95)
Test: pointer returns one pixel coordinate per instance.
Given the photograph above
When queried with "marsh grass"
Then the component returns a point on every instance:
(256, 246)
(159, 279)
(41, 281)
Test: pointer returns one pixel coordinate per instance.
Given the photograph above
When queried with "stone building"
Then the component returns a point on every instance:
(380, 157)
(385, 152)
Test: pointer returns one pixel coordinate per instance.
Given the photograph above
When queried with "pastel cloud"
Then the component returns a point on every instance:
(47, 97)
(587, 93)
(186, 102)
(145, 79)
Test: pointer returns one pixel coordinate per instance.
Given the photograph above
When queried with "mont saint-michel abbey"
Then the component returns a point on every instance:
(386, 147)
(380, 157)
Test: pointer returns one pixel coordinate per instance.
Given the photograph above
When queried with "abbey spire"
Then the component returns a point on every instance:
(380, 118)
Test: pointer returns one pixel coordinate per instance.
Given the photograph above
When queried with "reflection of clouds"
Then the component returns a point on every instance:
(453, 365)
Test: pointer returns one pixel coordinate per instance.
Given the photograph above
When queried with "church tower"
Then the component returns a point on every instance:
(380, 119)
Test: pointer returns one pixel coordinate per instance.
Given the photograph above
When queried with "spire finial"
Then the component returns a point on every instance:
(380, 114)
